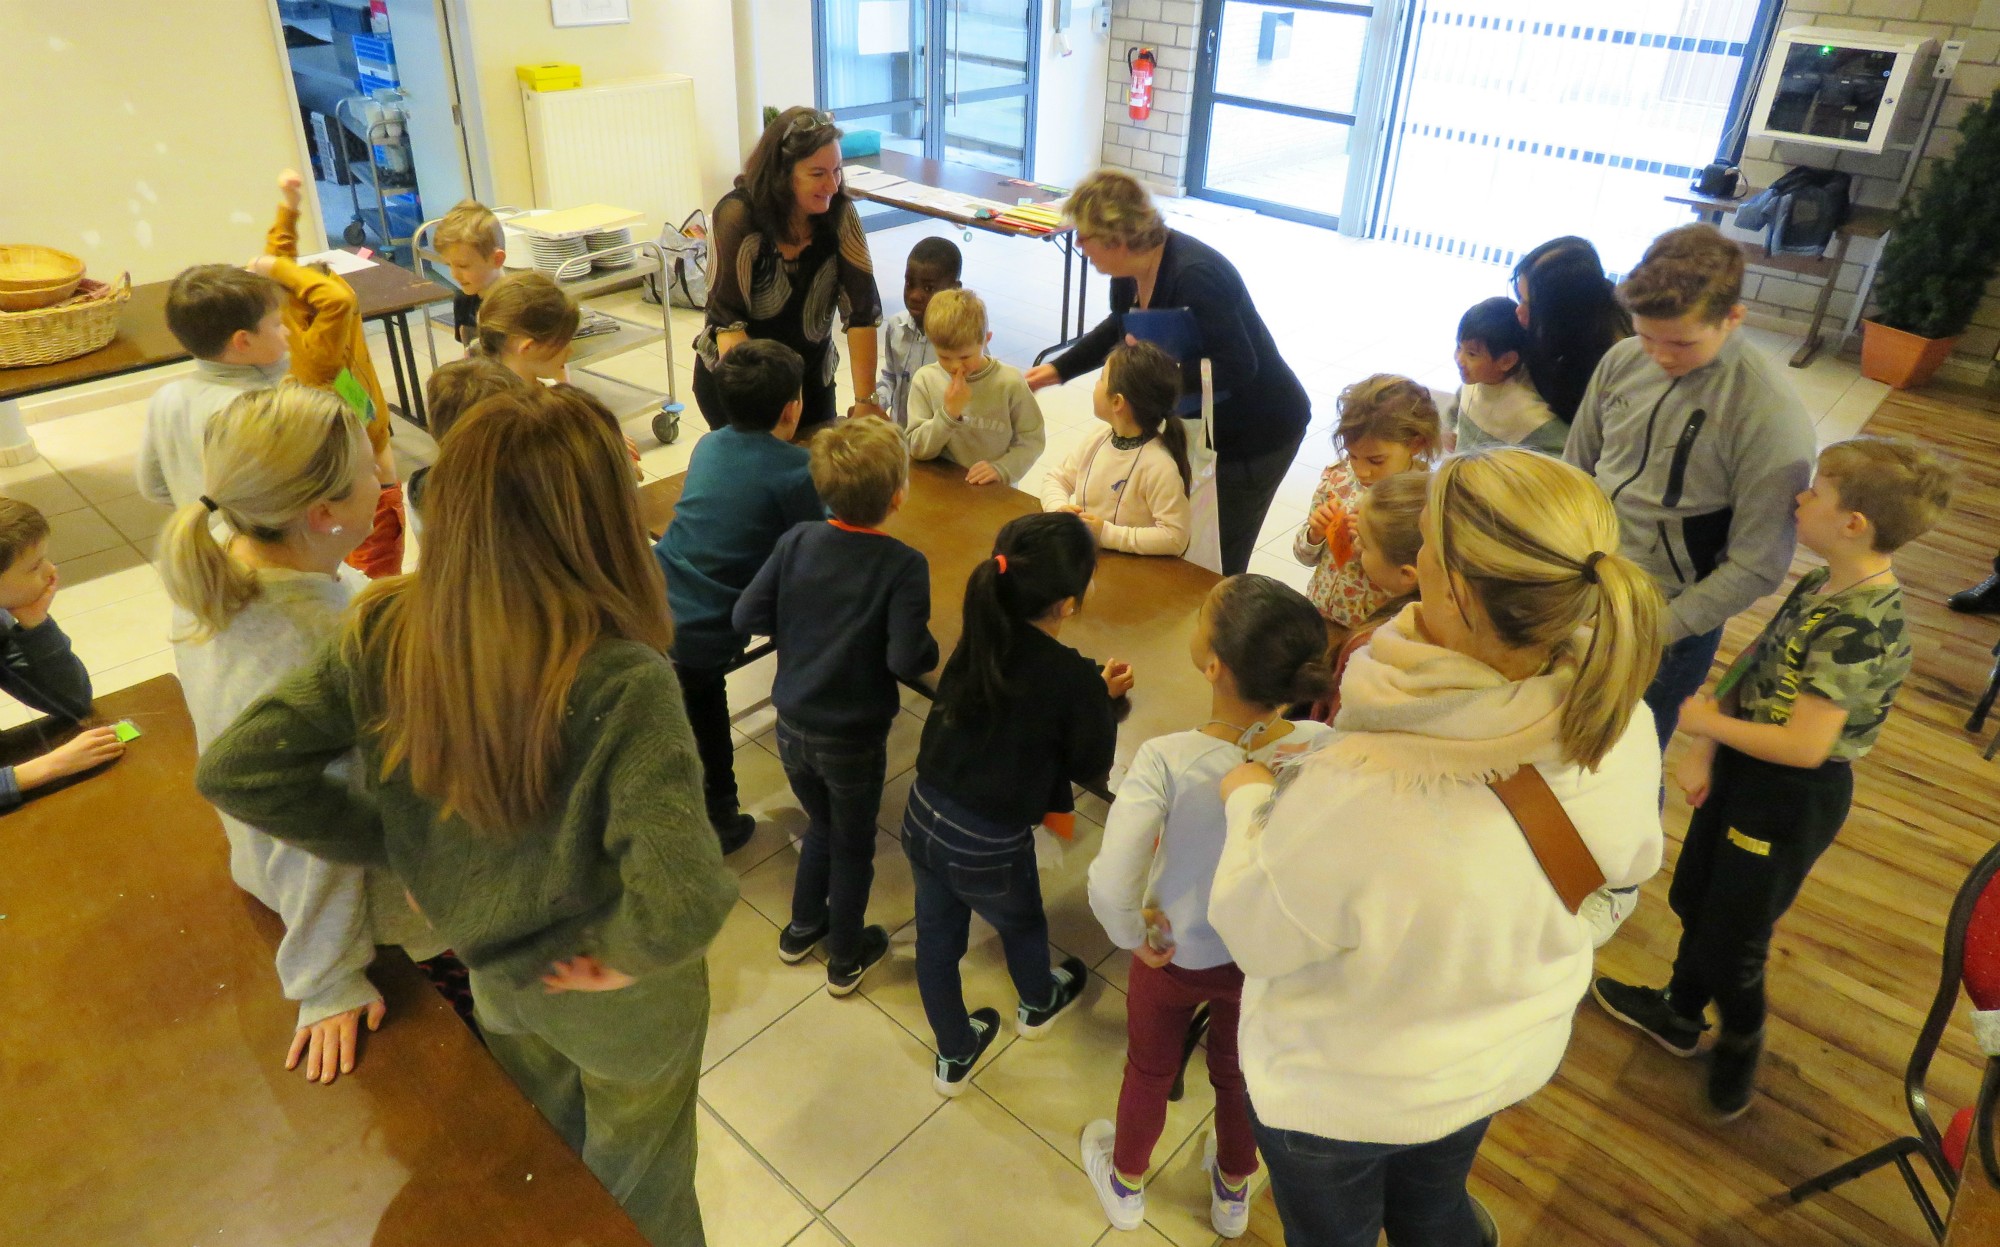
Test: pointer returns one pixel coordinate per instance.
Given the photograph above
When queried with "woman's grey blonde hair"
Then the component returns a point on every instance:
(1115, 207)
(266, 459)
(1535, 542)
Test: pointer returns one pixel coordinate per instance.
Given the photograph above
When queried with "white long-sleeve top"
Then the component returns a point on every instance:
(1171, 798)
(1138, 493)
(334, 914)
(1408, 967)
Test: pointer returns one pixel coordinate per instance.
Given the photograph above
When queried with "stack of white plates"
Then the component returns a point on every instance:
(550, 253)
(604, 240)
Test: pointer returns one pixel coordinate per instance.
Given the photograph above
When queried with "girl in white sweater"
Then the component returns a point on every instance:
(289, 476)
(1261, 645)
(1409, 968)
(1129, 480)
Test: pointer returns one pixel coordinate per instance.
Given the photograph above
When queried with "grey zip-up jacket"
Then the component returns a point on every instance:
(1704, 470)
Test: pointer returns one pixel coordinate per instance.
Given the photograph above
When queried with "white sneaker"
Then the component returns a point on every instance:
(1606, 910)
(1228, 1212)
(1125, 1212)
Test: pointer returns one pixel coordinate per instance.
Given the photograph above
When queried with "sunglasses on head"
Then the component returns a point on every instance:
(805, 123)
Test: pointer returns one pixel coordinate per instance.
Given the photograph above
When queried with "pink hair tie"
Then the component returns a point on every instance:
(1001, 559)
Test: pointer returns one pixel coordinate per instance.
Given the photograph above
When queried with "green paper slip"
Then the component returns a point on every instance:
(354, 395)
(126, 731)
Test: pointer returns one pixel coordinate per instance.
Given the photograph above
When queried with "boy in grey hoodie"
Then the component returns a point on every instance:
(1701, 444)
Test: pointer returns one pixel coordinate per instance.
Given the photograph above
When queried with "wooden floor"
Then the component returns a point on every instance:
(1620, 1148)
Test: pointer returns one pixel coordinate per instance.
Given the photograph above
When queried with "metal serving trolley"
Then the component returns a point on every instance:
(596, 341)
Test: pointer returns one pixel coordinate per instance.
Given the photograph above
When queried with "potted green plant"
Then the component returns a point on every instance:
(1945, 248)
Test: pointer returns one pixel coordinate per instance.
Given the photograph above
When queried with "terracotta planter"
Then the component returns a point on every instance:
(1898, 359)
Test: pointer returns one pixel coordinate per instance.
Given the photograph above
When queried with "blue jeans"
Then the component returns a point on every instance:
(1683, 669)
(1336, 1194)
(965, 865)
(838, 781)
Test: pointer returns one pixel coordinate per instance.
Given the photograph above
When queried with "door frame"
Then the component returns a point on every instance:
(935, 14)
(1381, 68)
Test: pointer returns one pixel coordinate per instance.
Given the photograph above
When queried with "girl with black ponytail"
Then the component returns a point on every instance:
(1019, 717)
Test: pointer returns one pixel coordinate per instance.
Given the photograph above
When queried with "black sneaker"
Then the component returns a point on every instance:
(1070, 977)
(952, 1072)
(795, 945)
(1732, 1073)
(1647, 1009)
(1981, 599)
(734, 831)
(843, 977)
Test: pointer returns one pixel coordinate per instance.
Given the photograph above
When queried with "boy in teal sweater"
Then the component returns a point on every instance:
(746, 485)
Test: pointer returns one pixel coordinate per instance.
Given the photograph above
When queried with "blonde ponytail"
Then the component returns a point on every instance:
(1536, 542)
(266, 459)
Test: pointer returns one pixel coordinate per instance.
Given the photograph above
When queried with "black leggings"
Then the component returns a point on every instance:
(1748, 849)
(818, 396)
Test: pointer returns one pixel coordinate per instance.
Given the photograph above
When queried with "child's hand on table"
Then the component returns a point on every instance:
(982, 473)
(88, 748)
(584, 973)
(289, 186)
(1118, 678)
(331, 1045)
(1095, 523)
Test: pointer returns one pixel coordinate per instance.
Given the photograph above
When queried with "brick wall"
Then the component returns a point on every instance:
(1774, 296)
(1155, 150)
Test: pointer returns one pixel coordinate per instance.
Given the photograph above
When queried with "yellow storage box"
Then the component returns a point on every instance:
(554, 76)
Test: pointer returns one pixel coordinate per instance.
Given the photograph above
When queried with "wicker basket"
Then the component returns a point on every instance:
(48, 335)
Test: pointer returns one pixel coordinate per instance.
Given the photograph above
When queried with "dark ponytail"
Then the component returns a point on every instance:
(1047, 559)
(1149, 381)
(1271, 638)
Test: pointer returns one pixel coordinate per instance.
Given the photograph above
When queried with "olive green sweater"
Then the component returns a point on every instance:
(623, 867)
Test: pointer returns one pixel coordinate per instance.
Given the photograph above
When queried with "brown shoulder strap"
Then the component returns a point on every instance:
(1557, 846)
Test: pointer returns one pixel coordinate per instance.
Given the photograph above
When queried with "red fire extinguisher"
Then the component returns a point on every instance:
(1141, 62)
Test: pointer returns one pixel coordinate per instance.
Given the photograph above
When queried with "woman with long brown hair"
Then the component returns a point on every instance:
(789, 252)
(530, 777)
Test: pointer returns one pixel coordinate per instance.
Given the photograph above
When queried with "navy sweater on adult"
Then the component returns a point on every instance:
(850, 610)
(743, 491)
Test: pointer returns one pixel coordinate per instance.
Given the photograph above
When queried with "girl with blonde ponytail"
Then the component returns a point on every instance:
(1410, 968)
(255, 569)
(530, 775)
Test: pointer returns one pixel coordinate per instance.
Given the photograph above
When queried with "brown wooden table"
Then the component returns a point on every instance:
(970, 181)
(1140, 609)
(143, 1037)
(385, 292)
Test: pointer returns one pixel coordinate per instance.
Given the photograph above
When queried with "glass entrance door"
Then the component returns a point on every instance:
(1284, 105)
(944, 79)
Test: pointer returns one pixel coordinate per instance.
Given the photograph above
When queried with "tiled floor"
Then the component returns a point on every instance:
(820, 1126)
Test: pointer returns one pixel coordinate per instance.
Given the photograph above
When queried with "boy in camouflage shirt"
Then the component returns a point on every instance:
(1769, 765)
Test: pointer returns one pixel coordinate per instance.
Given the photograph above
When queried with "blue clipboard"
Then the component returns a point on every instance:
(1174, 331)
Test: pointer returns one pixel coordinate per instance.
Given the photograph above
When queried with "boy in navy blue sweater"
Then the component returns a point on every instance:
(849, 607)
(746, 484)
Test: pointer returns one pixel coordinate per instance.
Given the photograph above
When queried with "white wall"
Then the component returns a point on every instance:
(1069, 106)
(692, 37)
(786, 70)
(141, 137)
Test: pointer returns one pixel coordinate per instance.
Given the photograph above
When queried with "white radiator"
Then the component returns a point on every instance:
(631, 143)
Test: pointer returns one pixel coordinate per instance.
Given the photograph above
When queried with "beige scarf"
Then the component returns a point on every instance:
(1430, 713)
